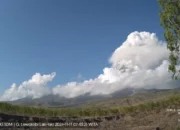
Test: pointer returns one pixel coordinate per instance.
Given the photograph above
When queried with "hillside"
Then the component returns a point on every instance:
(145, 113)
(57, 101)
(139, 97)
(125, 97)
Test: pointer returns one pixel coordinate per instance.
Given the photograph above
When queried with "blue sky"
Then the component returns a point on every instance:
(69, 37)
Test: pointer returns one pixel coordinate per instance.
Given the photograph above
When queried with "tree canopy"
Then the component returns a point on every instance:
(170, 21)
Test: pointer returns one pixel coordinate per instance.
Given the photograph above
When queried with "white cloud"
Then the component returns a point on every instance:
(35, 87)
(140, 62)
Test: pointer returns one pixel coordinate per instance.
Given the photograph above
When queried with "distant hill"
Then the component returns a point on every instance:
(139, 96)
(125, 97)
(57, 101)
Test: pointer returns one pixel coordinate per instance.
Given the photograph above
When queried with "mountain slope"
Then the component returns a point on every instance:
(57, 101)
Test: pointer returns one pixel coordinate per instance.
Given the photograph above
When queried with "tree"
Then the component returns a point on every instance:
(170, 21)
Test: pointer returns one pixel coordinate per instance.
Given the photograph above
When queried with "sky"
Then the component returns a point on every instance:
(55, 43)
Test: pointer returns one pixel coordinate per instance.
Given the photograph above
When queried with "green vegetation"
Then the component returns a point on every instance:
(174, 101)
(170, 21)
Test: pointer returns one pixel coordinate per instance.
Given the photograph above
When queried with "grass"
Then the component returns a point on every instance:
(173, 101)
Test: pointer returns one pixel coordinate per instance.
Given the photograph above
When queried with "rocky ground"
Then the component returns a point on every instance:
(151, 120)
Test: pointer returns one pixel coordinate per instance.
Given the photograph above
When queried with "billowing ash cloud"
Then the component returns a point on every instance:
(140, 62)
